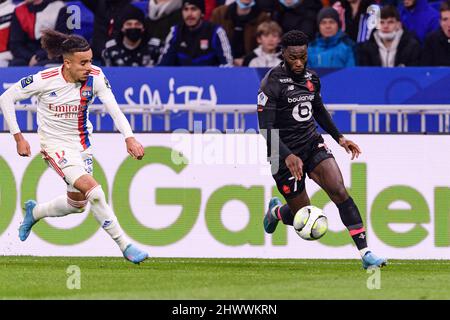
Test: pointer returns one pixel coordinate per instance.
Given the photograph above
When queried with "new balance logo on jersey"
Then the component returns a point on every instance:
(308, 76)
(362, 236)
(52, 94)
(291, 87)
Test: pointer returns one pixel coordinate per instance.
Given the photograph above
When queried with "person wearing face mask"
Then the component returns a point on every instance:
(240, 21)
(297, 15)
(390, 45)
(130, 48)
(106, 26)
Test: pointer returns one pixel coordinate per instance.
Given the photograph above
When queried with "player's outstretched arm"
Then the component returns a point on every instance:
(21, 90)
(324, 119)
(23, 147)
(104, 92)
(134, 148)
(350, 147)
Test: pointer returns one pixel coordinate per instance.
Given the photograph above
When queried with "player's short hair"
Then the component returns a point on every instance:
(389, 11)
(57, 44)
(268, 27)
(445, 6)
(294, 38)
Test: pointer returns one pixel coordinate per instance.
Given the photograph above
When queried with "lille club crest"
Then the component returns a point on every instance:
(286, 189)
(310, 85)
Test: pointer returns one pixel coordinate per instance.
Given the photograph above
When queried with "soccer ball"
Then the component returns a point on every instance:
(310, 223)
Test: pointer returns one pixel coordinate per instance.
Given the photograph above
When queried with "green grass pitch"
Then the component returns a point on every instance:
(25, 277)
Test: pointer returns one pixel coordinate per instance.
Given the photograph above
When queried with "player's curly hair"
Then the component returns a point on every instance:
(57, 44)
(294, 38)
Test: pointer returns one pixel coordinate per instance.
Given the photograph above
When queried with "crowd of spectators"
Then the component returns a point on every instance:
(342, 33)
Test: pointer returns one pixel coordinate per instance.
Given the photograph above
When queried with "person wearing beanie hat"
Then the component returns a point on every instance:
(131, 13)
(196, 42)
(106, 22)
(130, 47)
(332, 48)
(330, 13)
(198, 3)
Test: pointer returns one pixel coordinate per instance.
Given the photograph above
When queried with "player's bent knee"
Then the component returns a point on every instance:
(96, 194)
(77, 206)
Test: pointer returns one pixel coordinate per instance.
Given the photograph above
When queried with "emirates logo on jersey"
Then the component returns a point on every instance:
(310, 85)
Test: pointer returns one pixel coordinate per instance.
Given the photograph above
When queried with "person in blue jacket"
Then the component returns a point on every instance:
(419, 17)
(332, 48)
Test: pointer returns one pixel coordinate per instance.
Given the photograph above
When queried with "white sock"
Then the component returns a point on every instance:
(58, 207)
(364, 251)
(106, 217)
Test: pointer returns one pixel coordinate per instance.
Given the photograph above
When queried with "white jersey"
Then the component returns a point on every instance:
(62, 109)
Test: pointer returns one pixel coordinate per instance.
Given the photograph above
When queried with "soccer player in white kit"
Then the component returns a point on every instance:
(64, 94)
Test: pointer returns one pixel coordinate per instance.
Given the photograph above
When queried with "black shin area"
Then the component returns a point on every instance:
(286, 215)
(351, 218)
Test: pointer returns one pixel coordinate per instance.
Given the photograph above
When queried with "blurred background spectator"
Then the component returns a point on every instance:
(390, 46)
(196, 42)
(353, 16)
(298, 15)
(267, 54)
(240, 20)
(162, 15)
(332, 48)
(436, 50)
(29, 19)
(106, 13)
(130, 47)
(6, 12)
(210, 5)
(419, 17)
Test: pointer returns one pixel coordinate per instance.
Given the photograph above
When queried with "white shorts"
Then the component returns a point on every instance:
(70, 164)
